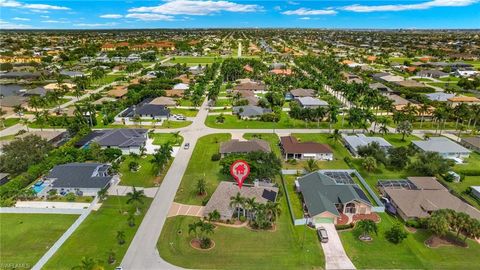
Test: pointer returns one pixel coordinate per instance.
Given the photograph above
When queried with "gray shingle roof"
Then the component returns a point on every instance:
(358, 140)
(122, 137)
(250, 111)
(311, 101)
(79, 175)
(440, 145)
(321, 193)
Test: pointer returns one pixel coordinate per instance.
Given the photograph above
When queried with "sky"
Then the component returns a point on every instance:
(117, 14)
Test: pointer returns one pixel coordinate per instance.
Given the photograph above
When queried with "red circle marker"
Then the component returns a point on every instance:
(240, 170)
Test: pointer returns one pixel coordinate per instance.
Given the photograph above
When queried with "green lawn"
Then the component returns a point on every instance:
(96, 236)
(106, 80)
(471, 164)
(8, 122)
(410, 254)
(232, 121)
(201, 166)
(185, 112)
(449, 79)
(453, 85)
(144, 177)
(271, 138)
(241, 248)
(295, 197)
(195, 60)
(185, 102)
(223, 103)
(174, 124)
(24, 238)
(427, 125)
(396, 139)
(162, 138)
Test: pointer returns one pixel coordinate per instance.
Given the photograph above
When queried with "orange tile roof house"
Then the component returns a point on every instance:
(118, 92)
(454, 101)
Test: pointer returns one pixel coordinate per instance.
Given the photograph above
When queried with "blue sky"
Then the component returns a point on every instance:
(106, 14)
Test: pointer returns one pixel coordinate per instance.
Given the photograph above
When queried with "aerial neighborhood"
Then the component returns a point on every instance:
(359, 149)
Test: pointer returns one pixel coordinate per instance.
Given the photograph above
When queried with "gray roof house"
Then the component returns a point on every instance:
(220, 199)
(300, 92)
(445, 147)
(431, 73)
(439, 96)
(353, 142)
(236, 146)
(326, 198)
(472, 143)
(81, 178)
(311, 102)
(129, 140)
(250, 111)
(146, 110)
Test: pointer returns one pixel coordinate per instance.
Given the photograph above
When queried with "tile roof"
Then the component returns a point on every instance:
(290, 144)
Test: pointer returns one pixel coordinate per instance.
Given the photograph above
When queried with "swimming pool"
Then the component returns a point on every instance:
(39, 186)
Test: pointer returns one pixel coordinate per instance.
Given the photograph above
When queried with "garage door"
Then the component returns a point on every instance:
(319, 220)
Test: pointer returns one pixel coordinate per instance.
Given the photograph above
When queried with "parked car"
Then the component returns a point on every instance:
(181, 117)
(186, 146)
(322, 234)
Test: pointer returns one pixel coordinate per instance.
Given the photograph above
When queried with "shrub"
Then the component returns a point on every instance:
(396, 234)
(70, 197)
(205, 242)
(413, 223)
(205, 201)
(216, 157)
(344, 227)
(348, 160)
(243, 218)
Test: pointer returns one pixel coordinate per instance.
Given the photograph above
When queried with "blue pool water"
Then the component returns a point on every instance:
(39, 188)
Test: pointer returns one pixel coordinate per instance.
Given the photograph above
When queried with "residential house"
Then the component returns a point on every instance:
(300, 92)
(146, 110)
(83, 179)
(128, 140)
(293, 149)
(4, 178)
(418, 197)
(444, 146)
(165, 101)
(472, 143)
(476, 191)
(431, 73)
(439, 96)
(54, 137)
(250, 112)
(118, 92)
(311, 102)
(466, 73)
(410, 84)
(257, 87)
(329, 199)
(380, 87)
(456, 100)
(221, 198)
(243, 147)
(353, 142)
(181, 86)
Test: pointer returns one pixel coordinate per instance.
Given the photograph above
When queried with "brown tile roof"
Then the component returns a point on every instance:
(166, 101)
(290, 144)
(464, 99)
(426, 182)
(118, 92)
(300, 92)
(174, 93)
(236, 146)
(250, 86)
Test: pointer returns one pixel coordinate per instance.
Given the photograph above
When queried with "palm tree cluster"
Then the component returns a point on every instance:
(161, 157)
(259, 215)
(445, 220)
(202, 229)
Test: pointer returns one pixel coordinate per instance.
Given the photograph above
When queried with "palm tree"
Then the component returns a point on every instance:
(201, 187)
(274, 210)
(213, 216)
(237, 202)
(311, 165)
(88, 264)
(102, 194)
(176, 136)
(369, 163)
(193, 228)
(35, 102)
(366, 227)
(250, 206)
(2, 113)
(136, 198)
(336, 136)
(220, 118)
(121, 237)
(425, 108)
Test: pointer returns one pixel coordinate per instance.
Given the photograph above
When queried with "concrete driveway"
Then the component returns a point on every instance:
(335, 256)
(179, 209)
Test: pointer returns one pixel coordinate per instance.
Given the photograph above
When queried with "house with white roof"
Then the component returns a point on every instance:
(444, 146)
(353, 142)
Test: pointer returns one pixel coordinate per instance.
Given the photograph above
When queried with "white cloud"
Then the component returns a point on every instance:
(16, 4)
(293, 3)
(95, 24)
(149, 17)
(307, 11)
(419, 6)
(305, 18)
(8, 25)
(45, 16)
(193, 7)
(21, 19)
(111, 16)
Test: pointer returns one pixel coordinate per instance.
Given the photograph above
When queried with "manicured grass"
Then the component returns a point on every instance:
(271, 138)
(24, 238)
(185, 112)
(144, 177)
(8, 122)
(449, 79)
(396, 139)
(430, 125)
(470, 164)
(410, 254)
(452, 85)
(96, 236)
(295, 197)
(174, 124)
(195, 60)
(241, 248)
(162, 138)
(232, 121)
(107, 79)
(185, 102)
(223, 103)
(200, 166)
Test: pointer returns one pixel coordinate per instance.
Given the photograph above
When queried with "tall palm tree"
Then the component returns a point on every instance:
(237, 201)
(336, 136)
(425, 108)
(311, 165)
(366, 227)
(136, 198)
(274, 210)
(121, 237)
(250, 206)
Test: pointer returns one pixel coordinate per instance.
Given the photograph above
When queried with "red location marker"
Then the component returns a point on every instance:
(240, 170)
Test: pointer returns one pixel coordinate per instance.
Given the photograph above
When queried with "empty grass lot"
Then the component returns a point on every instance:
(241, 248)
(271, 138)
(162, 138)
(200, 166)
(24, 238)
(8, 122)
(96, 236)
(195, 60)
(184, 112)
(410, 254)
